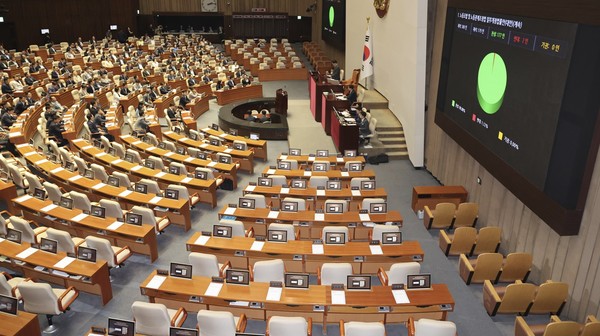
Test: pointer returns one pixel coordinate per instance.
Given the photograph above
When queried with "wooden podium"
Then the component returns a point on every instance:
(281, 102)
(317, 85)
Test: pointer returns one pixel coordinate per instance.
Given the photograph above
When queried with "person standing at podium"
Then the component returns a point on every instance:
(335, 72)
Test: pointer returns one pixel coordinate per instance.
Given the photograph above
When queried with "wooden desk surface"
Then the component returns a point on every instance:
(344, 193)
(332, 159)
(332, 174)
(208, 147)
(432, 195)
(259, 146)
(22, 324)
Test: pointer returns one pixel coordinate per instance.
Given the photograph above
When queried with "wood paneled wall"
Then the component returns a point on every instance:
(574, 259)
(293, 7)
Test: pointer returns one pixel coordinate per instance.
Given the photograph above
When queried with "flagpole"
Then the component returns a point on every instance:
(368, 20)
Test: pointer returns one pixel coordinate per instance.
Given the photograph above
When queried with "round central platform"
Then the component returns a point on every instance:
(232, 116)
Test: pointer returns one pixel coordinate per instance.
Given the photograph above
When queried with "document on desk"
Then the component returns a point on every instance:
(273, 214)
(114, 225)
(48, 207)
(136, 168)
(283, 157)
(155, 199)
(311, 158)
(151, 148)
(274, 294)
(340, 159)
(117, 161)
(317, 249)
(319, 216)
(98, 186)
(213, 289)
(101, 154)
(186, 180)
(189, 159)
(212, 164)
(345, 174)
(183, 139)
(202, 240)
(229, 211)
(270, 171)
(41, 161)
(156, 281)
(338, 297)
(136, 142)
(29, 251)
(364, 217)
(1, 239)
(257, 246)
(79, 217)
(250, 188)
(307, 173)
(56, 170)
(64, 262)
(400, 296)
(284, 190)
(375, 249)
(30, 153)
(204, 145)
(228, 150)
(125, 193)
(169, 154)
(23, 198)
(75, 178)
(321, 192)
(160, 174)
(356, 193)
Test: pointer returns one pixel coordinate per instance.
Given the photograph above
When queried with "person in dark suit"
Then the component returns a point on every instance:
(351, 96)
(89, 89)
(245, 80)
(5, 87)
(55, 130)
(191, 82)
(51, 49)
(231, 83)
(363, 126)
(206, 79)
(184, 100)
(20, 106)
(335, 72)
(8, 118)
(124, 91)
(29, 79)
(164, 89)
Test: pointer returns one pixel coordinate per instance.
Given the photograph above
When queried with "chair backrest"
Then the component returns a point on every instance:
(443, 215)
(488, 240)
(27, 233)
(364, 328)
(463, 240)
(563, 328)
(259, 200)
(344, 204)
(65, 156)
(150, 318)
(119, 150)
(335, 273)
(237, 227)
(293, 163)
(183, 191)
(516, 267)
(152, 139)
(487, 267)
(321, 163)
(366, 202)
(517, 298)
(373, 126)
(278, 180)
(287, 326)
(427, 327)
(355, 181)
(33, 182)
(158, 162)
(147, 214)
(105, 142)
(113, 208)
(182, 168)
(39, 298)
(199, 135)
(591, 327)
(99, 172)
(399, 272)
(209, 172)
(335, 229)
(54, 192)
(466, 214)
(268, 270)
(243, 145)
(204, 264)
(318, 181)
(16, 176)
(153, 187)
(550, 297)
(212, 322)
(80, 163)
(63, 238)
(123, 179)
(169, 145)
(379, 229)
(137, 158)
(301, 202)
(5, 287)
(289, 228)
(103, 248)
(80, 201)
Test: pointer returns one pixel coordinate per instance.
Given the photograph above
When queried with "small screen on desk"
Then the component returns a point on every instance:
(296, 280)
(360, 282)
(49, 245)
(289, 206)
(298, 184)
(265, 181)
(133, 218)
(355, 166)
(295, 152)
(181, 271)
(39, 193)
(225, 159)
(254, 136)
(237, 277)
(141, 188)
(86, 254)
(233, 131)
(367, 185)
(238, 146)
(215, 127)
(89, 174)
(162, 145)
(350, 153)
(120, 327)
(111, 151)
(149, 164)
(378, 208)
(390, 238)
(215, 142)
(279, 236)
(8, 305)
(182, 332)
(199, 174)
(113, 181)
(335, 238)
(247, 203)
(171, 194)
(13, 235)
(174, 170)
(284, 165)
(180, 150)
(223, 231)
(334, 185)
(66, 202)
(98, 211)
(334, 208)
(202, 155)
(322, 153)
(319, 166)
(129, 157)
(418, 281)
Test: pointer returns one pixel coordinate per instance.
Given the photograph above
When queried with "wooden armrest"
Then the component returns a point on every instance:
(488, 287)
(445, 242)
(428, 218)
(318, 275)
(60, 305)
(591, 319)
(522, 328)
(225, 266)
(241, 326)
(342, 330)
(195, 195)
(251, 269)
(119, 251)
(410, 326)
(465, 269)
(8, 276)
(250, 232)
(297, 234)
(309, 327)
(383, 278)
(554, 318)
(180, 311)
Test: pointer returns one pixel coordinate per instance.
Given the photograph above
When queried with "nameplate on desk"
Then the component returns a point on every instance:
(75, 178)
(250, 188)
(317, 249)
(273, 214)
(206, 129)
(14, 134)
(22, 145)
(284, 190)
(101, 154)
(98, 186)
(311, 158)
(183, 139)
(186, 180)
(30, 153)
(156, 282)
(274, 293)
(224, 135)
(41, 161)
(339, 159)
(136, 142)
(117, 161)
(307, 173)
(283, 157)
(87, 147)
(345, 174)
(204, 145)
(270, 171)
(355, 192)
(338, 297)
(364, 217)
(202, 240)
(375, 249)
(48, 207)
(56, 170)
(151, 148)
(114, 225)
(189, 159)
(1, 239)
(228, 150)
(400, 296)
(79, 217)
(26, 253)
(23, 198)
(160, 174)
(319, 216)
(213, 289)
(321, 192)
(229, 211)
(64, 262)
(136, 168)
(125, 193)
(257, 246)
(155, 199)
(212, 164)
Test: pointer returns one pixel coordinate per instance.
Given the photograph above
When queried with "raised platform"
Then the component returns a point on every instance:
(232, 116)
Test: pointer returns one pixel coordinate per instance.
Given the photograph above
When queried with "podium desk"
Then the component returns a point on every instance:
(225, 97)
(178, 211)
(244, 157)
(344, 176)
(317, 85)
(332, 159)
(432, 195)
(345, 135)
(314, 302)
(329, 102)
(229, 170)
(130, 100)
(198, 106)
(352, 219)
(85, 276)
(22, 324)
(298, 255)
(258, 146)
(140, 239)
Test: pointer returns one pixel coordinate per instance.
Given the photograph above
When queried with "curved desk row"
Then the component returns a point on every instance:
(344, 176)
(225, 97)
(259, 146)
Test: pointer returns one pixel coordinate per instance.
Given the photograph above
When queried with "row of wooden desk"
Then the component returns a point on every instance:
(259, 147)
(344, 176)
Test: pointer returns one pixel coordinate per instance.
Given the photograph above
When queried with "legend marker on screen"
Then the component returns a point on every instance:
(500, 135)
(474, 117)
(453, 103)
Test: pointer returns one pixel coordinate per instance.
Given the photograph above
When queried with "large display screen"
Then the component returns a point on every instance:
(509, 95)
(334, 23)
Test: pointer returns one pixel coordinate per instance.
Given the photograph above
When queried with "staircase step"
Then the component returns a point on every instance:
(390, 134)
(388, 128)
(392, 141)
(395, 147)
(397, 155)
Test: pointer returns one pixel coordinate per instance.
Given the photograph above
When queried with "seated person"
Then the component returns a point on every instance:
(363, 127)
(141, 125)
(335, 72)
(245, 80)
(173, 113)
(220, 85)
(264, 117)
(351, 96)
(55, 130)
(231, 83)
(8, 118)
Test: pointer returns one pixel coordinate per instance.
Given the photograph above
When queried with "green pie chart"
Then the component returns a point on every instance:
(491, 83)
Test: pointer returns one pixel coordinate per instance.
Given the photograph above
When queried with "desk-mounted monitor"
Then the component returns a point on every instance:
(172, 194)
(237, 277)
(278, 236)
(334, 208)
(203, 155)
(141, 188)
(180, 270)
(418, 281)
(113, 181)
(149, 164)
(113, 27)
(97, 143)
(233, 131)
(49, 245)
(247, 203)
(89, 174)
(193, 136)
(70, 166)
(118, 327)
(254, 136)
(238, 146)
(215, 127)
(180, 150)
(39, 193)
(284, 165)
(14, 235)
(298, 184)
(319, 166)
(44, 31)
(350, 153)
(129, 157)
(86, 254)
(322, 153)
(133, 218)
(8, 305)
(215, 142)
(334, 185)
(296, 280)
(98, 211)
(355, 166)
(53, 158)
(295, 152)
(174, 170)
(222, 231)
(333, 238)
(378, 208)
(358, 282)
(66, 202)
(226, 159)
(182, 332)
(111, 151)
(162, 145)
(368, 185)
(391, 238)
(202, 175)
(289, 206)
(265, 181)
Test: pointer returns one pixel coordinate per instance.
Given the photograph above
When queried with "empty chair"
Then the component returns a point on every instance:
(33, 182)
(151, 139)
(119, 150)
(156, 162)
(556, 327)
(488, 240)
(512, 299)
(28, 235)
(159, 223)
(113, 209)
(333, 273)
(65, 155)
(65, 242)
(301, 203)
(362, 329)
(377, 231)
(318, 181)
(240, 145)
(227, 157)
(178, 166)
(220, 323)
(288, 326)
(427, 327)
(81, 201)
(321, 165)
(278, 180)
(40, 298)
(466, 215)
(237, 228)
(154, 319)
(487, 266)
(259, 200)
(153, 187)
(169, 145)
(398, 273)
(347, 164)
(197, 135)
(335, 229)
(81, 165)
(17, 178)
(99, 172)
(516, 266)
(355, 181)
(288, 228)
(591, 327)
(123, 179)
(54, 192)
(137, 158)
(207, 265)
(461, 242)
(550, 298)
(292, 163)
(8, 285)
(267, 270)
(343, 203)
(440, 218)
(105, 142)
(183, 193)
(115, 256)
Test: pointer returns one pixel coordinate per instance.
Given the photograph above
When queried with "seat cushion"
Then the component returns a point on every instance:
(122, 256)
(180, 319)
(67, 298)
(364, 328)
(194, 200)
(162, 223)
